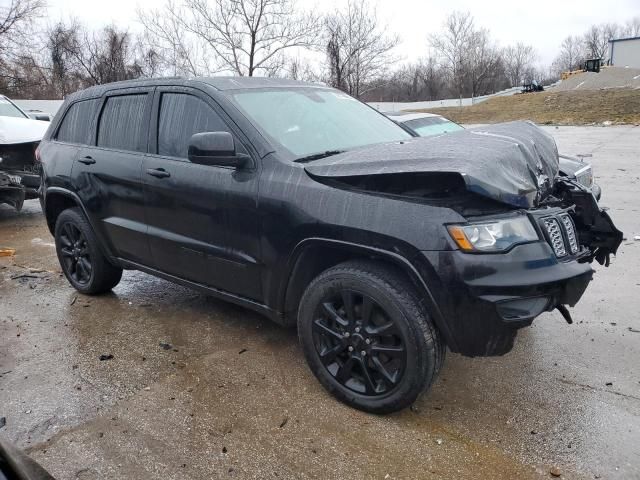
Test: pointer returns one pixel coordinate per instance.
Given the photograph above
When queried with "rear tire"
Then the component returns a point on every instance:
(80, 256)
(367, 337)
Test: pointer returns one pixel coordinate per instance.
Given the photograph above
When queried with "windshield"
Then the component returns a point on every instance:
(307, 121)
(8, 109)
(432, 126)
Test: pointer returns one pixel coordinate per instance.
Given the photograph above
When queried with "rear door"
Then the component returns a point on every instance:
(189, 206)
(107, 174)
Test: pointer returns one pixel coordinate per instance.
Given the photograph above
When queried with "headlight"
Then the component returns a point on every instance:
(493, 236)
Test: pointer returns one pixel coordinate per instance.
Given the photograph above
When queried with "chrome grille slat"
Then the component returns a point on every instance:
(571, 232)
(555, 236)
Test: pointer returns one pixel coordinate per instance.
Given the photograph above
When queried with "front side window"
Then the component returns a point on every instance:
(76, 124)
(306, 121)
(122, 123)
(182, 115)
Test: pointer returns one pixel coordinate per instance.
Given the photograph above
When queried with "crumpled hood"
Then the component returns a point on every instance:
(514, 163)
(21, 130)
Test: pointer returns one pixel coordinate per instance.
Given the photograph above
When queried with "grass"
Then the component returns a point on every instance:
(619, 106)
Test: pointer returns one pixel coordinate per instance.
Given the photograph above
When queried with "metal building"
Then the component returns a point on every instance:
(625, 52)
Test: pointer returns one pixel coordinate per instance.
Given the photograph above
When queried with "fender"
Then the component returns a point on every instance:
(402, 262)
(76, 199)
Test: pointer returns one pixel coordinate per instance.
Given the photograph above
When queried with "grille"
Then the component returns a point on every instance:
(555, 236)
(570, 230)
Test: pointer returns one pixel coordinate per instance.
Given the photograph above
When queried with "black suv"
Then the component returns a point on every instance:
(300, 202)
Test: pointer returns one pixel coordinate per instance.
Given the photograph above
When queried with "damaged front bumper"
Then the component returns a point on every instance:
(12, 192)
(486, 298)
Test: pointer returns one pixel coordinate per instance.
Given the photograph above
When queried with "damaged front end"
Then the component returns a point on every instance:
(597, 236)
(526, 234)
(11, 190)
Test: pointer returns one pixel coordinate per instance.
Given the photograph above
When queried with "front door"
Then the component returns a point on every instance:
(188, 206)
(107, 173)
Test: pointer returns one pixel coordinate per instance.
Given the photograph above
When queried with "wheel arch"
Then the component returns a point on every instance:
(314, 255)
(56, 200)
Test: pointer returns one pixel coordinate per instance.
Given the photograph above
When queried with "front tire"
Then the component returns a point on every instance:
(80, 256)
(367, 337)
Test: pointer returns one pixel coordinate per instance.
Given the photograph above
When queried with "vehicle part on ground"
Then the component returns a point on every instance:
(82, 262)
(17, 465)
(367, 337)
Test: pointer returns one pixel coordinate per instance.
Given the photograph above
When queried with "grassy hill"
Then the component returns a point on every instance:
(557, 108)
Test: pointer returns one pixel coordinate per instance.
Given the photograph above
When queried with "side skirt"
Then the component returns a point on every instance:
(268, 312)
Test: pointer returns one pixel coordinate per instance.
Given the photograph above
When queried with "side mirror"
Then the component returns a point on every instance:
(44, 118)
(215, 148)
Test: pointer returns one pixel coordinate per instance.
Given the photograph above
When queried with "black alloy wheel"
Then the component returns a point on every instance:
(358, 343)
(368, 337)
(81, 258)
(75, 254)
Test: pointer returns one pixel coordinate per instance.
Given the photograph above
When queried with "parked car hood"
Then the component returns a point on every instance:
(21, 130)
(514, 163)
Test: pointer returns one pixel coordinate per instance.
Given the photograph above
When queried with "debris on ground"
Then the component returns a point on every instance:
(105, 356)
(555, 472)
(3, 421)
(439, 441)
(284, 422)
(631, 329)
(609, 384)
(242, 351)
(165, 346)
(7, 252)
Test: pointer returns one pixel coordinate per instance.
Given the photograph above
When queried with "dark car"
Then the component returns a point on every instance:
(301, 203)
(424, 124)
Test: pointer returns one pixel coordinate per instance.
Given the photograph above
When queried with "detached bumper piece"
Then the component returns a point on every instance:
(12, 192)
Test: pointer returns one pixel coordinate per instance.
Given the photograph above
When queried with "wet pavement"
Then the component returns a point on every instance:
(198, 388)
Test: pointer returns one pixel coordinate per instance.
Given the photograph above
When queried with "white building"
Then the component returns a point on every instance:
(625, 52)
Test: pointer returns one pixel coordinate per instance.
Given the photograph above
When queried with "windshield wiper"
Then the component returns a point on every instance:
(318, 156)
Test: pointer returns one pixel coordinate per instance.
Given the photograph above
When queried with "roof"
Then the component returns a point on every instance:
(623, 39)
(406, 116)
(218, 83)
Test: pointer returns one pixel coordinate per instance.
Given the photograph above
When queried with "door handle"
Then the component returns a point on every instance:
(158, 172)
(88, 160)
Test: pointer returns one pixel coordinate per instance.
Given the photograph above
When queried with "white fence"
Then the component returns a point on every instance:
(450, 102)
(44, 106)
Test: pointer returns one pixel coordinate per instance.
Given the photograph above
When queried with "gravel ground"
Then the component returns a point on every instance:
(610, 77)
(199, 389)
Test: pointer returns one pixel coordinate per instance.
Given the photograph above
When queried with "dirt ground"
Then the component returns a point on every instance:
(199, 389)
(579, 107)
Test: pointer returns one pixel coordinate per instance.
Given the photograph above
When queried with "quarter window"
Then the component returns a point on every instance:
(122, 123)
(76, 124)
(181, 116)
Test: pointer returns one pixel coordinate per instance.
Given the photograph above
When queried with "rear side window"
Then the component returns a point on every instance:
(122, 123)
(76, 124)
(181, 115)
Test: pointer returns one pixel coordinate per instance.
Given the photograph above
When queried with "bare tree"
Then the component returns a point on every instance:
(631, 28)
(167, 39)
(452, 45)
(596, 39)
(571, 55)
(518, 62)
(358, 48)
(482, 62)
(16, 20)
(245, 37)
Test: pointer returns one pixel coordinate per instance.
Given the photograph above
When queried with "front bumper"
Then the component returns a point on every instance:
(485, 298)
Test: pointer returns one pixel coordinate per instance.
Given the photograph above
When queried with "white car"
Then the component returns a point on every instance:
(19, 138)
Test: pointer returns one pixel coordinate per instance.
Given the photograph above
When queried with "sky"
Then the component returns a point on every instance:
(541, 23)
